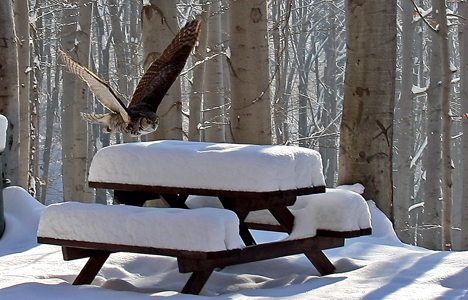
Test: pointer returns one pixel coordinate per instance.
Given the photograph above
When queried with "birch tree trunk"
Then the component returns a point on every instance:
(119, 50)
(446, 133)
(404, 178)
(195, 104)
(213, 110)
(159, 27)
(366, 128)
(431, 237)
(463, 40)
(328, 144)
(74, 150)
(9, 92)
(250, 82)
(22, 32)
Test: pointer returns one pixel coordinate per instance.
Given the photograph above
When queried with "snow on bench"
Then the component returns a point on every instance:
(337, 210)
(204, 229)
(211, 166)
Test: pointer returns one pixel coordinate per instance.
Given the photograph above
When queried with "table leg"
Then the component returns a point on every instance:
(242, 210)
(321, 262)
(92, 267)
(284, 216)
(196, 282)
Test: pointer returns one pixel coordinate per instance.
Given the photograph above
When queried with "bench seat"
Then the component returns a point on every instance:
(204, 229)
(336, 211)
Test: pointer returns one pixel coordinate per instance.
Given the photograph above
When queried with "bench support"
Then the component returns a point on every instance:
(201, 264)
(196, 282)
(92, 267)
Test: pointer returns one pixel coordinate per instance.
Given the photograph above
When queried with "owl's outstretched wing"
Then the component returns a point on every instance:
(99, 87)
(163, 71)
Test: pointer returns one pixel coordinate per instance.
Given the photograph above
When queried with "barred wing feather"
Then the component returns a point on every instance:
(99, 87)
(162, 72)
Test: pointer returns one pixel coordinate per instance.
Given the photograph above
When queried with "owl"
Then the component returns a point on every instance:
(140, 116)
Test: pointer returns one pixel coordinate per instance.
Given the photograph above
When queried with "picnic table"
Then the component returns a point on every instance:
(245, 179)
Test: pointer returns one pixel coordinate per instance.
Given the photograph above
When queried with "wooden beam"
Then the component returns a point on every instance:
(263, 252)
(92, 267)
(196, 282)
(320, 262)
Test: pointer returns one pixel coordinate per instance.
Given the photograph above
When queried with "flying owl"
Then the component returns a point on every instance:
(140, 115)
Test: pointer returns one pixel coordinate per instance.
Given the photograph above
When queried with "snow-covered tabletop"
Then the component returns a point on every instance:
(213, 166)
(204, 229)
(3, 130)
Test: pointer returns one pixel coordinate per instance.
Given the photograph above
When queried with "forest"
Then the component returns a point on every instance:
(379, 88)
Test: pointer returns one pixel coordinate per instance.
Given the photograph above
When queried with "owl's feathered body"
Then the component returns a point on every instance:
(140, 116)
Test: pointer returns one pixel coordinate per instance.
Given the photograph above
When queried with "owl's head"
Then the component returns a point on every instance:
(148, 125)
(143, 123)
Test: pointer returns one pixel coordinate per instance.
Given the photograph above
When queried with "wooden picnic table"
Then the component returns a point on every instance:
(131, 191)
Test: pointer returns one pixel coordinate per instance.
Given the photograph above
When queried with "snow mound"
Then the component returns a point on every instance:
(236, 167)
(204, 229)
(22, 214)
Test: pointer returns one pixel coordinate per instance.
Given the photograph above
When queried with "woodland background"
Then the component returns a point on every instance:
(263, 72)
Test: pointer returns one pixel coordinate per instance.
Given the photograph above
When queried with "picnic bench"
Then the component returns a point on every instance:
(245, 179)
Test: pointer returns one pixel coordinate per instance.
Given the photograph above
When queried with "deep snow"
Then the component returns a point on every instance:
(370, 267)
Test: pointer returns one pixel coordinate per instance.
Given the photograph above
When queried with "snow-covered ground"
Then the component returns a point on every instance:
(370, 267)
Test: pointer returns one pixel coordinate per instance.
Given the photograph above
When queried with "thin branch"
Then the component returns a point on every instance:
(423, 18)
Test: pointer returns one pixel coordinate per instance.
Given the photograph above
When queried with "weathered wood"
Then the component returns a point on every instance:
(92, 267)
(130, 248)
(320, 261)
(76, 253)
(196, 282)
(263, 252)
(284, 217)
(242, 209)
(269, 195)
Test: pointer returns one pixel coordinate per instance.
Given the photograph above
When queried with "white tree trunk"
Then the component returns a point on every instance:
(463, 36)
(366, 129)
(9, 92)
(431, 238)
(195, 104)
(446, 125)
(159, 26)
(404, 178)
(213, 109)
(22, 32)
(74, 129)
(250, 83)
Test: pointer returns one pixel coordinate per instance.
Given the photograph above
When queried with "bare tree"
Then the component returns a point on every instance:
(366, 129)
(22, 32)
(213, 109)
(250, 82)
(404, 180)
(9, 91)
(75, 39)
(196, 97)
(432, 157)
(463, 36)
(159, 26)
(446, 126)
